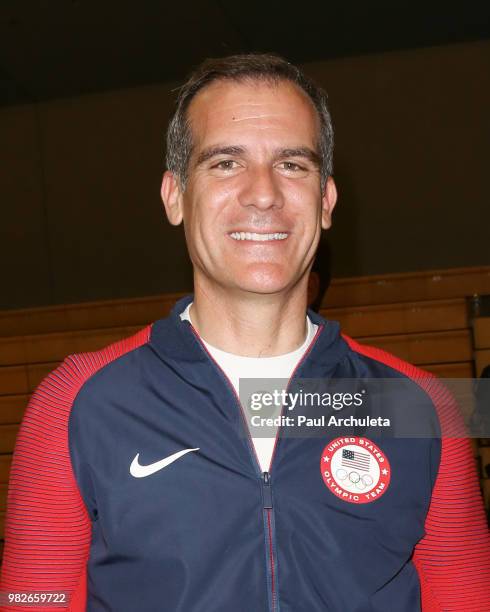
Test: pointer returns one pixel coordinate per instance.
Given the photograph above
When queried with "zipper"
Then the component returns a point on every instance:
(264, 476)
(267, 491)
(267, 498)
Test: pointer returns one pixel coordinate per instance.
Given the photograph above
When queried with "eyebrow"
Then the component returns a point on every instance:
(305, 152)
(214, 151)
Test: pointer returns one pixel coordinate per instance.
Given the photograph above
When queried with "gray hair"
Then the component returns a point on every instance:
(254, 66)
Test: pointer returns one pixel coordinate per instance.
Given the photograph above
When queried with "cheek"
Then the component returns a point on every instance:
(212, 197)
(304, 204)
(223, 211)
(208, 211)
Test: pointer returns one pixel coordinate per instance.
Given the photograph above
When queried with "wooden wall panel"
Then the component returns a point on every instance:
(402, 318)
(391, 288)
(13, 380)
(12, 408)
(86, 316)
(432, 348)
(3, 497)
(462, 369)
(8, 435)
(481, 332)
(5, 463)
(23, 379)
(50, 347)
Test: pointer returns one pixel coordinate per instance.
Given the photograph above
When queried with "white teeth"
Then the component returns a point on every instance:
(258, 237)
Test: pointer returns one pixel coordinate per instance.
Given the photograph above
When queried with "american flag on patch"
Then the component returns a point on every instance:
(355, 459)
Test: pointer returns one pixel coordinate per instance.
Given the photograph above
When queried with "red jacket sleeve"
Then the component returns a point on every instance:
(453, 558)
(48, 529)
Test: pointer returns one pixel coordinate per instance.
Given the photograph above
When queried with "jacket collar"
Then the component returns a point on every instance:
(173, 339)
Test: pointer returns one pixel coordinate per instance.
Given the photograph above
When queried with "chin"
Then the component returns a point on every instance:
(264, 279)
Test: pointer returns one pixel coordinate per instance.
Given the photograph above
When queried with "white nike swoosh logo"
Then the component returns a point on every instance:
(140, 471)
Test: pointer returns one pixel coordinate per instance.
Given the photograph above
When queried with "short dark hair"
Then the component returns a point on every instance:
(253, 66)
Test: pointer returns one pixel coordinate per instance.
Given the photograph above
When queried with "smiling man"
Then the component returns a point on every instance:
(132, 486)
(254, 196)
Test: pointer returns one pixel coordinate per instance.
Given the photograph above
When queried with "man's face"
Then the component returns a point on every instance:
(252, 206)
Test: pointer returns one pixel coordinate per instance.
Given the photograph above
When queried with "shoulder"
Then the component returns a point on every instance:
(387, 359)
(447, 410)
(61, 386)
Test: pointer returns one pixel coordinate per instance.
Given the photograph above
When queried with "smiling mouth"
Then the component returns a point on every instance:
(258, 237)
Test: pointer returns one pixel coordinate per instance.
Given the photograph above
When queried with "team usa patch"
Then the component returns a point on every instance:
(355, 469)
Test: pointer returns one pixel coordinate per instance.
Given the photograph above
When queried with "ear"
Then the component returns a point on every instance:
(171, 193)
(328, 202)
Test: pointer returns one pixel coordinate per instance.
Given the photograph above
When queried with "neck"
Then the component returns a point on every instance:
(250, 324)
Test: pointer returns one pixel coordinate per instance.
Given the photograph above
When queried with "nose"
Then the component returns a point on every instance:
(261, 189)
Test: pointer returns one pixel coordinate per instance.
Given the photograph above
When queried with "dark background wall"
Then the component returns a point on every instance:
(79, 185)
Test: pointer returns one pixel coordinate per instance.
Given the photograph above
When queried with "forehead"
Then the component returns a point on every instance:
(233, 112)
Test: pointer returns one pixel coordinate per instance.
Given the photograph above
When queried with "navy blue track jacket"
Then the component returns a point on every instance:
(208, 532)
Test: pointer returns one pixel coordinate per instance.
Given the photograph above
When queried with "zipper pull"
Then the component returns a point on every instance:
(267, 490)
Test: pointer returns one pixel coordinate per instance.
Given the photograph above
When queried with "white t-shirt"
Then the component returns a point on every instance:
(237, 366)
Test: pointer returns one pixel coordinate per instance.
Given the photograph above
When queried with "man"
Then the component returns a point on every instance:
(132, 487)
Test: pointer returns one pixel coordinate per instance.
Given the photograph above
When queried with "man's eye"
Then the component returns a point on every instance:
(291, 166)
(226, 164)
